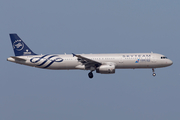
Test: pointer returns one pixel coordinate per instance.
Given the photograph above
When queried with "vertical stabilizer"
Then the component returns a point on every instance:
(19, 47)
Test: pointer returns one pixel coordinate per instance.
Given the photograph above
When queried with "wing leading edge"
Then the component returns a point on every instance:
(87, 62)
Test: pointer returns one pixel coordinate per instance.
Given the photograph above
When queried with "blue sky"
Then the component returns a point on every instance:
(93, 26)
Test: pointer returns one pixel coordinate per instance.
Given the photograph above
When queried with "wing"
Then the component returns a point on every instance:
(87, 62)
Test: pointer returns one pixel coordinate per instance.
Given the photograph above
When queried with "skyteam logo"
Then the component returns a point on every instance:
(27, 52)
(137, 61)
(18, 45)
(49, 59)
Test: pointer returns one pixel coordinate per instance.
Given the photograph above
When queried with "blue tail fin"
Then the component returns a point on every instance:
(20, 48)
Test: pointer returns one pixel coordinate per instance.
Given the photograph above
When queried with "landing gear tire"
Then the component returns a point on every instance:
(90, 75)
(154, 74)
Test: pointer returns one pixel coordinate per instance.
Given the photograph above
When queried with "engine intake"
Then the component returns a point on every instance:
(106, 69)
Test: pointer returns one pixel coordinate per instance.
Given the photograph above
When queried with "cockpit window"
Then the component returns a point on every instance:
(163, 57)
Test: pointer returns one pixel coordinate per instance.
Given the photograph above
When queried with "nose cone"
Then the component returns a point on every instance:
(169, 62)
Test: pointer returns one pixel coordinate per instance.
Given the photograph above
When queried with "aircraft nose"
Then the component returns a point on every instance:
(170, 62)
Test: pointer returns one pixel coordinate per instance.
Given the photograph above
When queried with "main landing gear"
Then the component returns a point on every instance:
(90, 74)
(154, 74)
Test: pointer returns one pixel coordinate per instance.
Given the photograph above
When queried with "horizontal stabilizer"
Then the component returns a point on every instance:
(17, 58)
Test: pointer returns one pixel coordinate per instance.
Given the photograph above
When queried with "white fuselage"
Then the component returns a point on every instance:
(101, 63)
(121, 61)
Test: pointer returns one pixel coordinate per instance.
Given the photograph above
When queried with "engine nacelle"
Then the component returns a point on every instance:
(106, 69)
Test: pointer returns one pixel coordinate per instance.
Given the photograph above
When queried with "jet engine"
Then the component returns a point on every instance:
(106, 69)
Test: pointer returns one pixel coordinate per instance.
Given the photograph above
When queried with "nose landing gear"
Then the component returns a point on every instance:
(154, 74)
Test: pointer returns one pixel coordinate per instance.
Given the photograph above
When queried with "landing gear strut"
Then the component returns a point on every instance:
(90, 74)
(154, 74)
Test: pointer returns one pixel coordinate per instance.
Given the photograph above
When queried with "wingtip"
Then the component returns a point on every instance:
(74, 54)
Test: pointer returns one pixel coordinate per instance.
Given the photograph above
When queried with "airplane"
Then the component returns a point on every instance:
(101, 63)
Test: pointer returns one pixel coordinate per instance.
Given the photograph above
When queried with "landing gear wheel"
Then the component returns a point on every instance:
(154, 74)
(90, 75)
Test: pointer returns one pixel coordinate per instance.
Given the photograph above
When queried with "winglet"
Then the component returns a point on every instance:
(74, 54)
